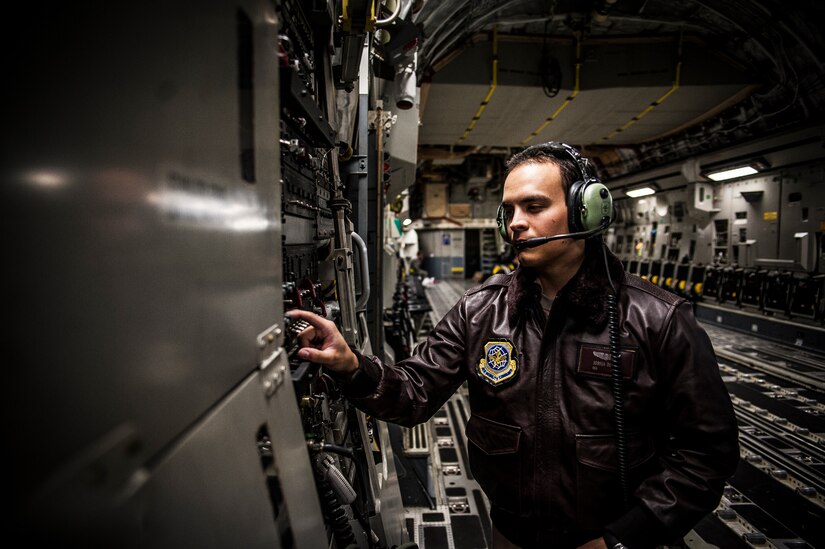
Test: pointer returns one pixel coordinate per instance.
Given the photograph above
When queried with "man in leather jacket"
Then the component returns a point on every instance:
(534, 349)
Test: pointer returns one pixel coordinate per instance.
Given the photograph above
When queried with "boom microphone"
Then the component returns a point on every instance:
(538, 241)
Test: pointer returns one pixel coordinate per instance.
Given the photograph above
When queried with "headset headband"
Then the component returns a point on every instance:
(555, 146)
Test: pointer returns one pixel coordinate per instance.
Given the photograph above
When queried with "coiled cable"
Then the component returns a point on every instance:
(329, 482)
(618, 395)
(617, 383)
(336, 515)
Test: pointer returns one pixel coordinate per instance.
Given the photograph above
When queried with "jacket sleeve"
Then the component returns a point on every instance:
(701, 447)
(412, 390)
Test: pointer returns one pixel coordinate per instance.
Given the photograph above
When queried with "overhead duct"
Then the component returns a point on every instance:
(567, 101)
(405, 83)
(691, 170)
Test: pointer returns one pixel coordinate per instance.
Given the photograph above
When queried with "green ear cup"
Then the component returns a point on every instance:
(596, 206)
(501, 221)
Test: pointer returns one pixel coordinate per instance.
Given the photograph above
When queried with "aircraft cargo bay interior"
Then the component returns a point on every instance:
(433, 274)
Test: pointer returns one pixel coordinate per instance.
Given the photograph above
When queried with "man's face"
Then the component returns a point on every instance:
(535, 203)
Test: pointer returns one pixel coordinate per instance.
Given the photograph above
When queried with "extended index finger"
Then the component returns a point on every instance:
(321, 325)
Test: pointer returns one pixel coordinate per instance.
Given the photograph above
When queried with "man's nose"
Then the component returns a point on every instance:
(518, 222)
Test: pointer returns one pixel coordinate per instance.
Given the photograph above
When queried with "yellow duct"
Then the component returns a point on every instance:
(489, 92)
(673, 88)
(567, 101)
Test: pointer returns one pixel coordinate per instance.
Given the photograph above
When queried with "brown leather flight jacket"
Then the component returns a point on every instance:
(542, 431)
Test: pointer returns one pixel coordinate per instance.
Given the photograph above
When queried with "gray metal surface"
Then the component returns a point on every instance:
(173, 503)
(292, 464)
(143, 260)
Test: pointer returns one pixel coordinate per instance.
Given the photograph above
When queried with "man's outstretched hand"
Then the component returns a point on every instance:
(323, 344)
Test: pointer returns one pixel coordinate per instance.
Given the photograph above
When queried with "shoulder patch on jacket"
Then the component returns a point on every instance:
(498, 364)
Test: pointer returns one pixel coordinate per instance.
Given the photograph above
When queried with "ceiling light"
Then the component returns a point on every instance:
(407, 222)
(639, 191)
(733, 171)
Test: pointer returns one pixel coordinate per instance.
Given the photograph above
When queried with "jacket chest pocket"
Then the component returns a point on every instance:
(598, 490)
(495, 460)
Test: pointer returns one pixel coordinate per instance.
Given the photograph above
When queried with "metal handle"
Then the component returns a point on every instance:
(364, 271)
(389, 20)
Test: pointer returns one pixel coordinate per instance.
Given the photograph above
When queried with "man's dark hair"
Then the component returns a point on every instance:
(548, 153)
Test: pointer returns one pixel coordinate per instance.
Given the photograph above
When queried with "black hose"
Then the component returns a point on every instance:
(347, 452)
(333, 449)
(336, 515)
(618, 396)
(617, 379)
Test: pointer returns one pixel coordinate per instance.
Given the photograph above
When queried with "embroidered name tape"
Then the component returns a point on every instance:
(498, 364)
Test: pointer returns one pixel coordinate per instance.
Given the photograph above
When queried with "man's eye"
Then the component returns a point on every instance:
(533, 208)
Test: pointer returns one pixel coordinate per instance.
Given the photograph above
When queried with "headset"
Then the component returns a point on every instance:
(589, 203)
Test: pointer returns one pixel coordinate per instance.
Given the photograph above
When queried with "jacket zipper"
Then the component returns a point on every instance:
(547, 475)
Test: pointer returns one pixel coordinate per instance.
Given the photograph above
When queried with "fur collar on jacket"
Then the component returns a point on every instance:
(586, 293)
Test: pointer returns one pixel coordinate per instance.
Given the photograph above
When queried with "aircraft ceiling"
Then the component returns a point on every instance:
(634, 83)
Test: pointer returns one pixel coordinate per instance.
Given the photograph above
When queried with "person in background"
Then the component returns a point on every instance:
(418, 275)
(417, 266)
(409, 247)
(534, 348)
(506, 264)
